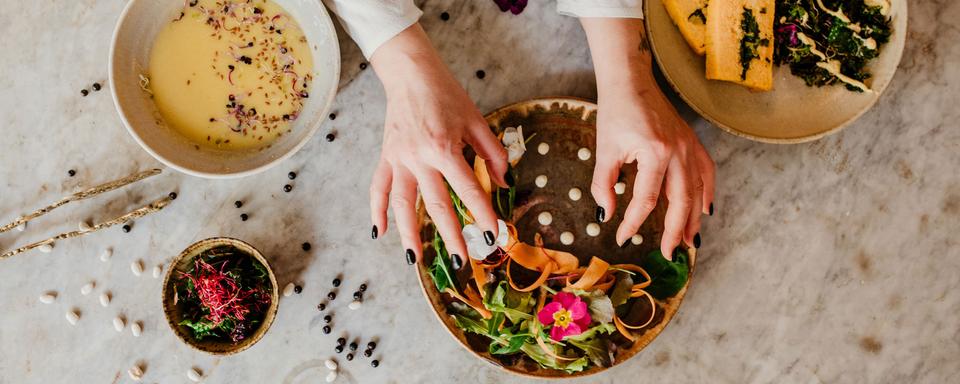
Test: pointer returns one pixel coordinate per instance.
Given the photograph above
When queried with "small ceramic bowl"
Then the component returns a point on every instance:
(133, 38)
(173, 312)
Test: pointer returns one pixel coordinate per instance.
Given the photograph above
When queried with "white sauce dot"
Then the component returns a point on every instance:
(136, 267)
(354, 305)
(583, 154)
(87, 288)
(619, 188)
(331, 365)
(194, 375)
(636, 239)
(288, 289)
(119, 323)
(46, 247)
(541, 181)
(593, 229)
(575, 194)
(543, 148)
(73, 316)
(545, 218)
(105, 255)
(48, 297)
(105, 299)
(566, 238)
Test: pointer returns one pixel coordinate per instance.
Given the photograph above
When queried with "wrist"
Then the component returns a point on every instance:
(406, 58)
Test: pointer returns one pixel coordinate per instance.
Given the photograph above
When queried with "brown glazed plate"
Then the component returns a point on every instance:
(566, 124)
(790, 113)
(173, 311)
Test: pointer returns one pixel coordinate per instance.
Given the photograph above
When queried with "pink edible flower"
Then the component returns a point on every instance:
(568, 315)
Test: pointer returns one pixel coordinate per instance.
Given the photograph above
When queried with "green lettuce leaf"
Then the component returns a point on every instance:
(668, 276)
(596, 348)
(600, 307)
(441, 267)
(621, 289)
(517, 306)
(533, 350)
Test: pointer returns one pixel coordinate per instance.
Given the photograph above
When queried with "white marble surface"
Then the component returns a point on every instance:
(833, 261)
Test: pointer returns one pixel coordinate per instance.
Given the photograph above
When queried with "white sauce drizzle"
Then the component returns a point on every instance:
(833, 66)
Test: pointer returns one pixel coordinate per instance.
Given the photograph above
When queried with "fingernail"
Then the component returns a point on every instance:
(601, 214)
(711, 209)
(696, 240)
(456, 261)
(488, 236)
(508, 177)
(670, 256)
(411, 257)
(624, 245)
(374, 232)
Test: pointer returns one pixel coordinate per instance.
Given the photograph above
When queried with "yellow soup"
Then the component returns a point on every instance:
(231, 74)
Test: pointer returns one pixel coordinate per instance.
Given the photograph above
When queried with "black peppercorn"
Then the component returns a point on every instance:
(444, 16)
(363, 66)
(193, 3)
(321, 306)
(297, 289)
(292, 175)
(372, 345)
(333, 116)
(287, 188)
(358, 295)
(257, 10)
(244, 217)
(212, 119)
(342, 341)
(375, 363)
(338, 348)
(327, 329)
(353, 346)
(327, 319)
(367, 353)
(349, 356)
(126, 228)
(238, 203)
(304, 94)
(305, 246)
(332, 295)
(84, 92)
(336, 282)
(172, 195)
(363, 287)
(230, 67)
(481, 74)
(330, 137)
(286, 117)
(96, 86)
(72, 173)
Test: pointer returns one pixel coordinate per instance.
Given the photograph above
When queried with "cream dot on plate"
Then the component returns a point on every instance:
(636, 239)
(543, 148)
(541, 181)
(545, 218)
(593, 229)
(583, 154)
(566, 238)
(575, 194)
(620, 188)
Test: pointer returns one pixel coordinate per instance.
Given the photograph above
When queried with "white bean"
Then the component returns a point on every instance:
(46, 247)
(105, 255)
(157, 270)
(136, 329)
(119, 323)
(136, 267)
(354, 305)
(87, 288)
(23, 226)
(48, 297)
(135, 373)
(104, 299)
(84, 226)
(331, 365)
(73, 316)
(288, 289)
(331, 376)
(194, 375)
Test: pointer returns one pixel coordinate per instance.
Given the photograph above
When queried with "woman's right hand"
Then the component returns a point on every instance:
(429, 119)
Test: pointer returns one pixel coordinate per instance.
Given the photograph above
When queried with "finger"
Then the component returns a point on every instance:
(403, 200)
(691, 234)
(605, 174)
(708, 170)
(468, 189)
(646, 191)
(679, 195)
(488, 147)
(379, 198)
(437, 201)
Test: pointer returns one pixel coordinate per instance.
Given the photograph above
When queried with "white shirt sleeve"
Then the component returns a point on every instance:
(372, 22)
(601, 8)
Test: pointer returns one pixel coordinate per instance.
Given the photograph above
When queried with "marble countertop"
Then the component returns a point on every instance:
(831, 261)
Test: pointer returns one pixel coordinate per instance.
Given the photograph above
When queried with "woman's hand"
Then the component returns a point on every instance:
(429, 119)
(636, 123)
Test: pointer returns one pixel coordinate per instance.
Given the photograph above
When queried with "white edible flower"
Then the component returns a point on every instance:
(514, 143)
(477, 245)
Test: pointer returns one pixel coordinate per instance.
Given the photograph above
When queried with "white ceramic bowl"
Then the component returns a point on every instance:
(133, 38)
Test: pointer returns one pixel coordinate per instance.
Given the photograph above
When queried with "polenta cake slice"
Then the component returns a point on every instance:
(691, 18)
(739, 42)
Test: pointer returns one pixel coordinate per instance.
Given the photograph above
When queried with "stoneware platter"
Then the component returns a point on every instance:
(790, 113)
(133, 38)
(566, 124)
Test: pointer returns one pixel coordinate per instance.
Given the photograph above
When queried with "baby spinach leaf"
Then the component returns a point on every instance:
(441, 267)
(668, 277)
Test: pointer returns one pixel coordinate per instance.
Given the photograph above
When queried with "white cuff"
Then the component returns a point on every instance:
(601, 8)
(372, 22)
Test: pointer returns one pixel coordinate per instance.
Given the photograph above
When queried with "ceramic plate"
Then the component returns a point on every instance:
(792, 112)
(566, 125)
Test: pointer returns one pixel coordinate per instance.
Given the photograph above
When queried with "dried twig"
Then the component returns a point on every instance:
(106, 187)
(139, 212)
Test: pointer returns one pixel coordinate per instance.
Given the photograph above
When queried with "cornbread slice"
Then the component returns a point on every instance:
(690, 16)
(739, 42)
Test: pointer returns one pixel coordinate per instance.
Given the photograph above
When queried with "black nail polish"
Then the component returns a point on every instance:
(456, 261)
(374, 232)
(624, 245)
(411, 257)
(601, 214)
(488, 236)
(711, 209)
(508, 177)
(696, 240)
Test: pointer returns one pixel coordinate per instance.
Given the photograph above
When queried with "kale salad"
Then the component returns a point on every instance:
(828, 42)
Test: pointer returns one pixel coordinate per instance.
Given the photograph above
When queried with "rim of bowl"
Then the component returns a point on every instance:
(269, 316)
(331, 94)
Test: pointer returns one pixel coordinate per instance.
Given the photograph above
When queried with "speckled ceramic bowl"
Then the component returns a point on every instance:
(173, 312)
(133, 38)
